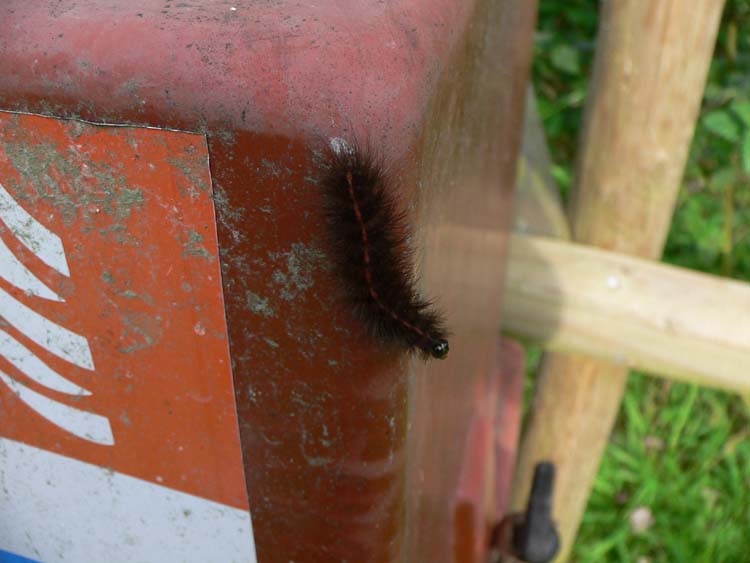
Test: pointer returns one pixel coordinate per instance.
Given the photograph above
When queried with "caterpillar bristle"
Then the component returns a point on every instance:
(368, 233)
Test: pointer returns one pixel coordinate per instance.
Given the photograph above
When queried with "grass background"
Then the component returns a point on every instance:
(679, 455)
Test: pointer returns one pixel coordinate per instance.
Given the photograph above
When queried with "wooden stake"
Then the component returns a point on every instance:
(649, 74)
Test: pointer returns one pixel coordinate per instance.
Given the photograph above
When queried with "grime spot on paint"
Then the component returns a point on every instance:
(192, 171)
(252, 394)
(129, 88)
(325, 439)
(270, 441)
(142, 331)
(118, 233)
(125, 419)
(76, 129)
(194, 246)
(271, 343)
(272, 168)
(130, 294)
(312, 460)
(128, 199)
(42, 168)
(231, 215)
(297, 276)
(258, 305)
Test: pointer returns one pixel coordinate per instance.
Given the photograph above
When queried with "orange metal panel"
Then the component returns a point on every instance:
(134, 211)
(114, 347)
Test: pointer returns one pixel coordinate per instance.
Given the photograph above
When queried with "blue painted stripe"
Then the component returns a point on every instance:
(6, 557)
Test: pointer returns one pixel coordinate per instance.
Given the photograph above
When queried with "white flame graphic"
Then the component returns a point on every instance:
(55, 339)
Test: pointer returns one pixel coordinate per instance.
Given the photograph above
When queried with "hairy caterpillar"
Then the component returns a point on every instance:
(367, 234)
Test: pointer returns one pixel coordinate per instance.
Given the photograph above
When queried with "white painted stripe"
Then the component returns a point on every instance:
(25, 361)
(86, 425)
(33, 235)
(56, 509)
(13, 271)
(52, 337)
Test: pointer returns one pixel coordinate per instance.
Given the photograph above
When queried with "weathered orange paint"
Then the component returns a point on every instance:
(133, 209)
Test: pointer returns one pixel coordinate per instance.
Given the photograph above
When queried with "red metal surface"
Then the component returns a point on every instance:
(475, 473)
(288, 69)
(512, 366)
(484, 486)
(324, 415)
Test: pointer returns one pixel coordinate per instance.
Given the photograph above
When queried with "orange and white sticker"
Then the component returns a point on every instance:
(116, 397)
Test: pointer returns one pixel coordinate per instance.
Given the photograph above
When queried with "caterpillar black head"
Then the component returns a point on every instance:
(440, 349)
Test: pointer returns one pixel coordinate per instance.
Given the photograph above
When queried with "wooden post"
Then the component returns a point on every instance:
(650, 69)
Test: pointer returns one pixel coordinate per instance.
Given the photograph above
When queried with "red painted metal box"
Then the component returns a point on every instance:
(174, 351)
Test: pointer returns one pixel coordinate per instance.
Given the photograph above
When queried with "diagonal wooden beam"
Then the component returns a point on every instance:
(636, 313)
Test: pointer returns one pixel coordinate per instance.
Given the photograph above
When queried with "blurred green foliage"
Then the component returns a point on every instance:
(711, 230)
(677, 451)
(567, 27)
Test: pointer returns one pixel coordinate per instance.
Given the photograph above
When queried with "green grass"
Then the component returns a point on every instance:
(683, 453)
(679, 451)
